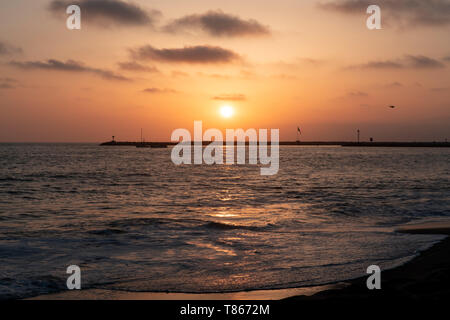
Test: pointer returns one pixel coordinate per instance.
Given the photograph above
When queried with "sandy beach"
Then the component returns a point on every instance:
(424, 277)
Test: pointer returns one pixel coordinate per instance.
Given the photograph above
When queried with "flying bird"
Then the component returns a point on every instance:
(392, 107)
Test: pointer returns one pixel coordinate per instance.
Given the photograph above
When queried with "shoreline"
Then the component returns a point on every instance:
(106, 294)
(423, 277)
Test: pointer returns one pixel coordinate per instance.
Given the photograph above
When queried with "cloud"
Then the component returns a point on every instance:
(408, 61)
(357, 94)
(158, 90)
(447, 58)
(214, 75)
(6, 86)
(108, 12)
(231, 97)
(401, 12)
(8, 83)
(134, 66)
(311, 61)
(423, 62)
(445, 89)
(176, 74)
(68, 66)
(394, 84)
(6, 49)
(196, 54)
(386, 64)
(218, 23)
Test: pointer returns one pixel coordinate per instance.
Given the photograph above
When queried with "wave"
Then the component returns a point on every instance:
(107, 232)
(186, 223)
(226, 226)
(9, 179)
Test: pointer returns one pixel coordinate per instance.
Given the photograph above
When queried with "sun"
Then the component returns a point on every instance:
(227, 111)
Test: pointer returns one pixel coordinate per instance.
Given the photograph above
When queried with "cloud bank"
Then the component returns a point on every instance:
(429, 13)
(108, 12)
(6, 49)
(408, 61)
(218, 23)
(158, 90)
(68, 66)
(194, 54)
(134, 66)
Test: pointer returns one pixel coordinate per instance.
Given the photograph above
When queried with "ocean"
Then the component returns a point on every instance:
(133, 221)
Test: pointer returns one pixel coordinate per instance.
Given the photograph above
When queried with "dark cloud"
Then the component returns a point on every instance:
(6, 49)
(159, 90)
(408, 61)
(447, 58)
(218, 23)
(196, 54)
(400, 12)
(230, 97)
(68, 66)
(134, 66)
(108, 12)
(386, 64)
(422, 62)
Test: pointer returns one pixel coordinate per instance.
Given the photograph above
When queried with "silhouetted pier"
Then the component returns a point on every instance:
(300, 143)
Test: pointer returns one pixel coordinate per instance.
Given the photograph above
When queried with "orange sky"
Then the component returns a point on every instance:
(279, 64)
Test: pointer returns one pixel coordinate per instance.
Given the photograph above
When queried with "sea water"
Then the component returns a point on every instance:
(132, 220)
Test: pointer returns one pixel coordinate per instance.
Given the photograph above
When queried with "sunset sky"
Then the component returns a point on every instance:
(160, 65)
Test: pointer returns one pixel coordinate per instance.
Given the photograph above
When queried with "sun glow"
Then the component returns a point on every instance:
(227, 111)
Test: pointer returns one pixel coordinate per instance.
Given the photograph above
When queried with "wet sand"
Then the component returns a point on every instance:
(101, 294)
(426, 277)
